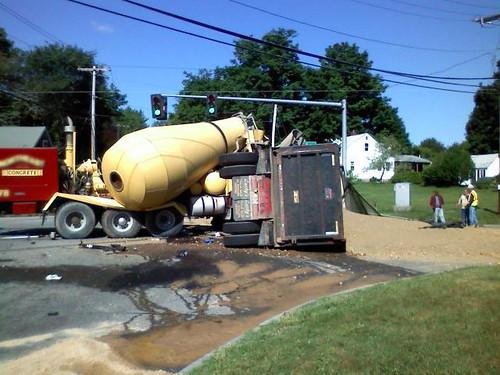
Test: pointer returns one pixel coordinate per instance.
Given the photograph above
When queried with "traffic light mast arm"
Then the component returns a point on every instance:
(258, 100)
(342, 104)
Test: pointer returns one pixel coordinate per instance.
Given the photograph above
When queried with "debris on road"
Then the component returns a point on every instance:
(115, 248)
(20, 237)
(52, 277)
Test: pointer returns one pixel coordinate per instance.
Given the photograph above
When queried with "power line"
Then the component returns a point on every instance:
(434, 9)
(154, 67)
(63, 92)
(471, 5)
(288, 49)
(455, 65)
(462, 63)
(281, 47)
(344, 33)
(20, 40)
(30, 24)
(408, 13)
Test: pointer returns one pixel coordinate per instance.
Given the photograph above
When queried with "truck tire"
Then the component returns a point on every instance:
(237, 158)
(166, 222)
(237, 170)
(120, 224)
(241, 227)
(75, 220)
(241, 240)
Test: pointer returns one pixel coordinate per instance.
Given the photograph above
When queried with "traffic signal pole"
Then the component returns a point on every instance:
(342, 104)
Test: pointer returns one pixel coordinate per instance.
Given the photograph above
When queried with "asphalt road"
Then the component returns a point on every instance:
(97, 288)
(43, 310)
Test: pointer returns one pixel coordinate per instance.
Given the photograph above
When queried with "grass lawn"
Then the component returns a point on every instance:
(435, 324)
(381, 196)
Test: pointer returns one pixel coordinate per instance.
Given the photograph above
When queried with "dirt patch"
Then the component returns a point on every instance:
(418, 245)
(74, 356)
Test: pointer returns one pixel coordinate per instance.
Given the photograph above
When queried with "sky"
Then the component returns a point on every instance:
(425, 37)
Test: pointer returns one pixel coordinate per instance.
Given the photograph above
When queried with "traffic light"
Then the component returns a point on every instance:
(211, 107)
(159, 107)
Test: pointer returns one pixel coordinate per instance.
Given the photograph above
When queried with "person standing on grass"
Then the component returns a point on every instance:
(473, 203)
(436, 202)
(463, 203)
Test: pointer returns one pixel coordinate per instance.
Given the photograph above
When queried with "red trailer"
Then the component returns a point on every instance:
(28, 178)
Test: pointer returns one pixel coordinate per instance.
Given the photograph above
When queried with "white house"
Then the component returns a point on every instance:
(487, 165)
(362, 149)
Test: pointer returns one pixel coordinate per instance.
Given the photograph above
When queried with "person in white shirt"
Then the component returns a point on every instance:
(463, 203)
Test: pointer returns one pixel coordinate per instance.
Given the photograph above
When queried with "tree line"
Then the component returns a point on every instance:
(43, 85)
(267, 71)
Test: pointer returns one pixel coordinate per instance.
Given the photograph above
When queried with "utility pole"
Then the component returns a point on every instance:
(94, 71)
(483, 20)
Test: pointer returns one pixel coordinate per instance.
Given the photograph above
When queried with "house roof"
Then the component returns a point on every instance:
(483, 161)
(411, 159)
(21, 136)
(357, 137)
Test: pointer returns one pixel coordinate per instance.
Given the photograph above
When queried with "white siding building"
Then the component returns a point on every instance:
(362, 149)
(487, 165)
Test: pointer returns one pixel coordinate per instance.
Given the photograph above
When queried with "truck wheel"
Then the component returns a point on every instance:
(241, 227)
(237, 158)
(75, 220)
(164, 223)
(241, 240)
(237, 170)
(218, 222)
(119, 224)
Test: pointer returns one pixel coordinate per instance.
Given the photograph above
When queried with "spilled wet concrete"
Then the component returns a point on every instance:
(165, 304)
(248, 287)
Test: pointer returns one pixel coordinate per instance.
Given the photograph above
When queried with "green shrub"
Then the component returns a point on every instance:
(487, 183)
(352, 178)
(407, 175)
(449, 168)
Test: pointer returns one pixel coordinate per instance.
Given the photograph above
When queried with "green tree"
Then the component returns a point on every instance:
(482, 129)
(130, 120)
(388, 145)
(430, 147)
(257, 71)
(53, 88)
(348, 76)
(9, 78)
(267, 71)
(450, 167)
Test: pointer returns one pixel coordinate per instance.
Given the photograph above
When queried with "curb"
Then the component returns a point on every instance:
(274, 318)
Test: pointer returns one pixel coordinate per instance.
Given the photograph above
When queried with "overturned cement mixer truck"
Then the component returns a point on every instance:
(225, 169)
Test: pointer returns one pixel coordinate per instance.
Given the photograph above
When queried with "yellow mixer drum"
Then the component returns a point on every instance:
(148, 168)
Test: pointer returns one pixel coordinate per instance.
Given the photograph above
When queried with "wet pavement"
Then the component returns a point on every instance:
(160, 304)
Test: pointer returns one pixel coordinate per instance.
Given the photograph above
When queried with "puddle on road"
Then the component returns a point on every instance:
(255, 291)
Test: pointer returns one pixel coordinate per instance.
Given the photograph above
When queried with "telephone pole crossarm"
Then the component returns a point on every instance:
(484, 20)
